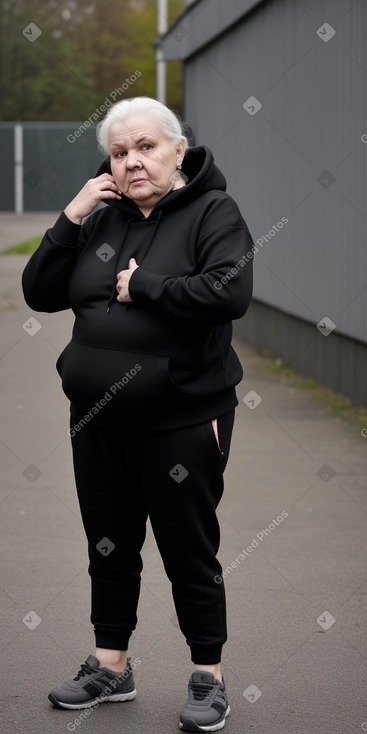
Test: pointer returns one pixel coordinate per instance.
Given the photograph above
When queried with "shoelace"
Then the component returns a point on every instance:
(200, 691)
(85, 669)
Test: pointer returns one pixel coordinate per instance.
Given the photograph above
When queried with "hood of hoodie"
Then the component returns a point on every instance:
(201, 175)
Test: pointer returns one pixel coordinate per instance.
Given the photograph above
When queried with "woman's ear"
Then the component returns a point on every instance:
(181, 149)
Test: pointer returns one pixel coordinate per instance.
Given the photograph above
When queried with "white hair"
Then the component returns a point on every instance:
(120, 111)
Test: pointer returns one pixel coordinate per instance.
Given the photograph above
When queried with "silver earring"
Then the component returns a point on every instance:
(179, 167)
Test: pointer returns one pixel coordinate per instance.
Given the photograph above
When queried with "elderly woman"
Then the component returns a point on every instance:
(154, 277)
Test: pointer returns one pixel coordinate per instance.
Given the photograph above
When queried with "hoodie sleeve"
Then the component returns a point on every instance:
(221, 290)
(46, 276)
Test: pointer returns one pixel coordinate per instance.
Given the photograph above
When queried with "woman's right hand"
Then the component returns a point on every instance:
(96, 189)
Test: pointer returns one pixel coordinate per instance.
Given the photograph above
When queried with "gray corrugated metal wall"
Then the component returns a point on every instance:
(295, 161)
(301, 157)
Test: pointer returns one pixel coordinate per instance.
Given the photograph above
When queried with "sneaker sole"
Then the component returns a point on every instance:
(191, 725)
(96, 701)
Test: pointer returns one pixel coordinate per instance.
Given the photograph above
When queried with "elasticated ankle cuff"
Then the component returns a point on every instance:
(111, 642)
(206, 655)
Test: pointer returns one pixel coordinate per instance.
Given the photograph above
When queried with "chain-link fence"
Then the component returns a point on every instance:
(44, 164)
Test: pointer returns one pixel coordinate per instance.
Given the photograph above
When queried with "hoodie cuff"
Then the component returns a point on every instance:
(65, 232)
(144, 285)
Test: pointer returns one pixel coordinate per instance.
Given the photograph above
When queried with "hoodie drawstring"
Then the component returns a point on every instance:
(113, 291)
(141, 256)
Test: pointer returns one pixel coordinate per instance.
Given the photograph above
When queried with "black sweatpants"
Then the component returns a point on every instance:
(175, 478)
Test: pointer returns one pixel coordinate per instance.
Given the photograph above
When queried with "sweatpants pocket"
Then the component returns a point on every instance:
(214, 447)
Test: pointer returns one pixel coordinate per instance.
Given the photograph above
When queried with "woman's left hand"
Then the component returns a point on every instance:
(123, 279)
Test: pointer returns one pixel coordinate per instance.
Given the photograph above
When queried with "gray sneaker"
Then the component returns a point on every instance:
(94, 685)
(207, 705)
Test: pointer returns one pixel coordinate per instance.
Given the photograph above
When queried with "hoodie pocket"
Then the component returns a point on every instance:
(95, 378)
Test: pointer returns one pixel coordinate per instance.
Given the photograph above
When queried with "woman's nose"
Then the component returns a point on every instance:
(132, 160)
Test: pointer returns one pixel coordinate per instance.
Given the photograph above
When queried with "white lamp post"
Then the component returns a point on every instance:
(162, 25)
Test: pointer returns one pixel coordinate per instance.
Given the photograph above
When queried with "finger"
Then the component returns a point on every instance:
(123, 298)
(121, 283)
(103, 184)
(120, 276)
(104, 177)
(119, 286)
(109, 191)
(108, 185)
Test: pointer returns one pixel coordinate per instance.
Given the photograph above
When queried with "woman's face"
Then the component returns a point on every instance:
(144, 160)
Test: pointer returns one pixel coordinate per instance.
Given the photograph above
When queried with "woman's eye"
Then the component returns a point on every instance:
(120, 154)
(147, 146)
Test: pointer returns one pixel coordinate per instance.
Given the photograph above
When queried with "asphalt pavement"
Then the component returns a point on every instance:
(293, 550)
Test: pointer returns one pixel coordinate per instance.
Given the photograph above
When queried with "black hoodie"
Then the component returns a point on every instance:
(165, 360)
